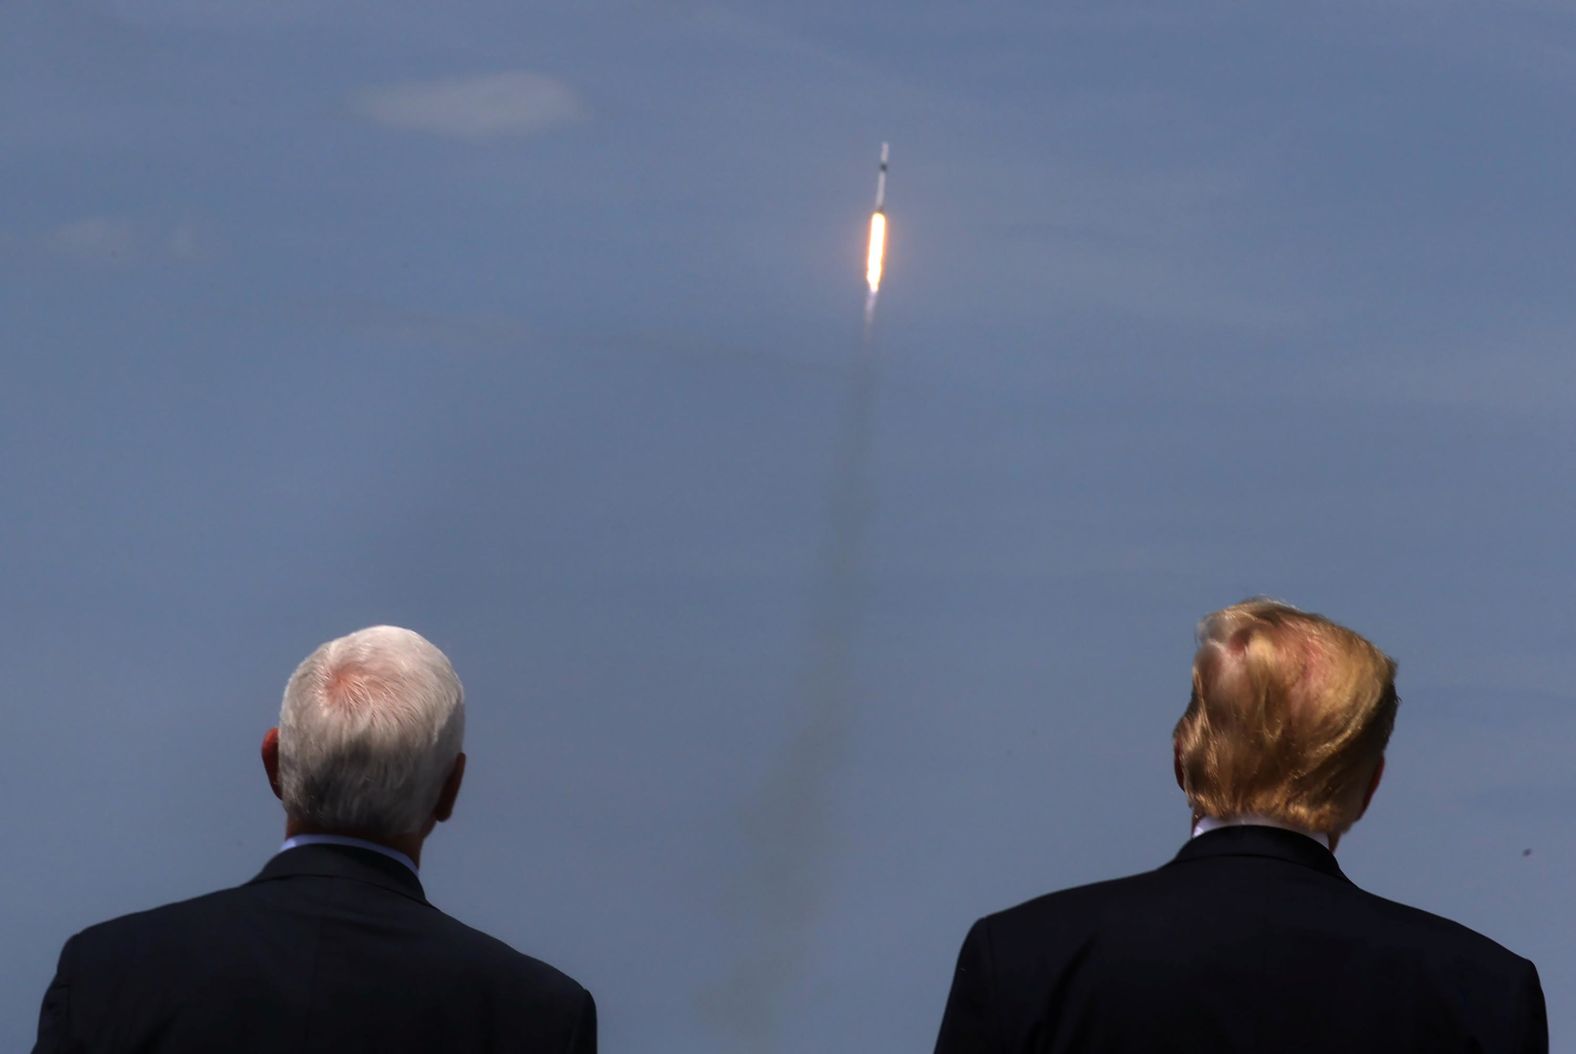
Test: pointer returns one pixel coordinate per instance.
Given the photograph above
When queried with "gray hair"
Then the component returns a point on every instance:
(368, 732)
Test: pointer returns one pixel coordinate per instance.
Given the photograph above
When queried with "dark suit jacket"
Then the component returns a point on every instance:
(330, 948)
(1250, 940)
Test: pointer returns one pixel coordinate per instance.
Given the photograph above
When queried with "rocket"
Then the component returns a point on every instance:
(881, 180)
(876, 258)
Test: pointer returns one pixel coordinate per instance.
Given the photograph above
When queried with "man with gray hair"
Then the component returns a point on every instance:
(333, 947)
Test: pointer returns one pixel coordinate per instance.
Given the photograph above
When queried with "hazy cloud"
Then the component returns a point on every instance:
(184, 242)
(1516, 373)
(380, 321)
(114, 240)
(514, 103)
(94, 239)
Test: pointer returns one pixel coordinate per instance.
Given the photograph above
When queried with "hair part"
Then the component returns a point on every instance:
(1289, 717)
(369, 730)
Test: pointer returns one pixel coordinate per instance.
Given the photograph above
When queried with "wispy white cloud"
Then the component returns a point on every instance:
(381, 321)
(118, 240)
(1517, 371)
(229, 15)
(497, 105)
(185, 242)
(94, 239)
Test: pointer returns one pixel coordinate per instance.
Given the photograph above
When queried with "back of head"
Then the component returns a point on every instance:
(369, 730)
(1289, 717)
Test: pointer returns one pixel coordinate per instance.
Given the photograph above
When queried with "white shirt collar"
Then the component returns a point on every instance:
(1210, 823)
(359, 843)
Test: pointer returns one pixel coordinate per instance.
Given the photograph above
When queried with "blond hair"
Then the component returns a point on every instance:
(1289, 717)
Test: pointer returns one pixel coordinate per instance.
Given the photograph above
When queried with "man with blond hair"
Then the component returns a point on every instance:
(333, 947)
(1251, 939)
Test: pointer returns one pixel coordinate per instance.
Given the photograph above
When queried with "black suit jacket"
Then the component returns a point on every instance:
(330, 948)
(1250, 940)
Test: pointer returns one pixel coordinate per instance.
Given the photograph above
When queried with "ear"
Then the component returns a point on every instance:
(1373, 785)
(451, 790)
(271, 760)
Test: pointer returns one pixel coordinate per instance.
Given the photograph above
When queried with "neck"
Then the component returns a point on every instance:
(409, 844)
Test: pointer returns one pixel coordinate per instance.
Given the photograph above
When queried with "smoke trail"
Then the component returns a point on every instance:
(789, 833)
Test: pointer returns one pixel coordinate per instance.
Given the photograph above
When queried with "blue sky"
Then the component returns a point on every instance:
(535, 329)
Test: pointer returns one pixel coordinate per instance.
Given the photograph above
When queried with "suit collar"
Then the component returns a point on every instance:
(1276, 843)
(344, 839)
(343, 861)
(1210, 823)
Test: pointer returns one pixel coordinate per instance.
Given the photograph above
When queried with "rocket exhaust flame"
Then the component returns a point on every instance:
(877, 251)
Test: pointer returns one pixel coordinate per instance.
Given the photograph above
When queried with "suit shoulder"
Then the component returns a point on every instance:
(1071, 912)
(172, 917)
(499, 955)
(1135, 904)
(175, 925)
(1074, 899)
(1443, 934)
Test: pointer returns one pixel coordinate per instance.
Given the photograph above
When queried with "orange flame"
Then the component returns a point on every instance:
(877, 250)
